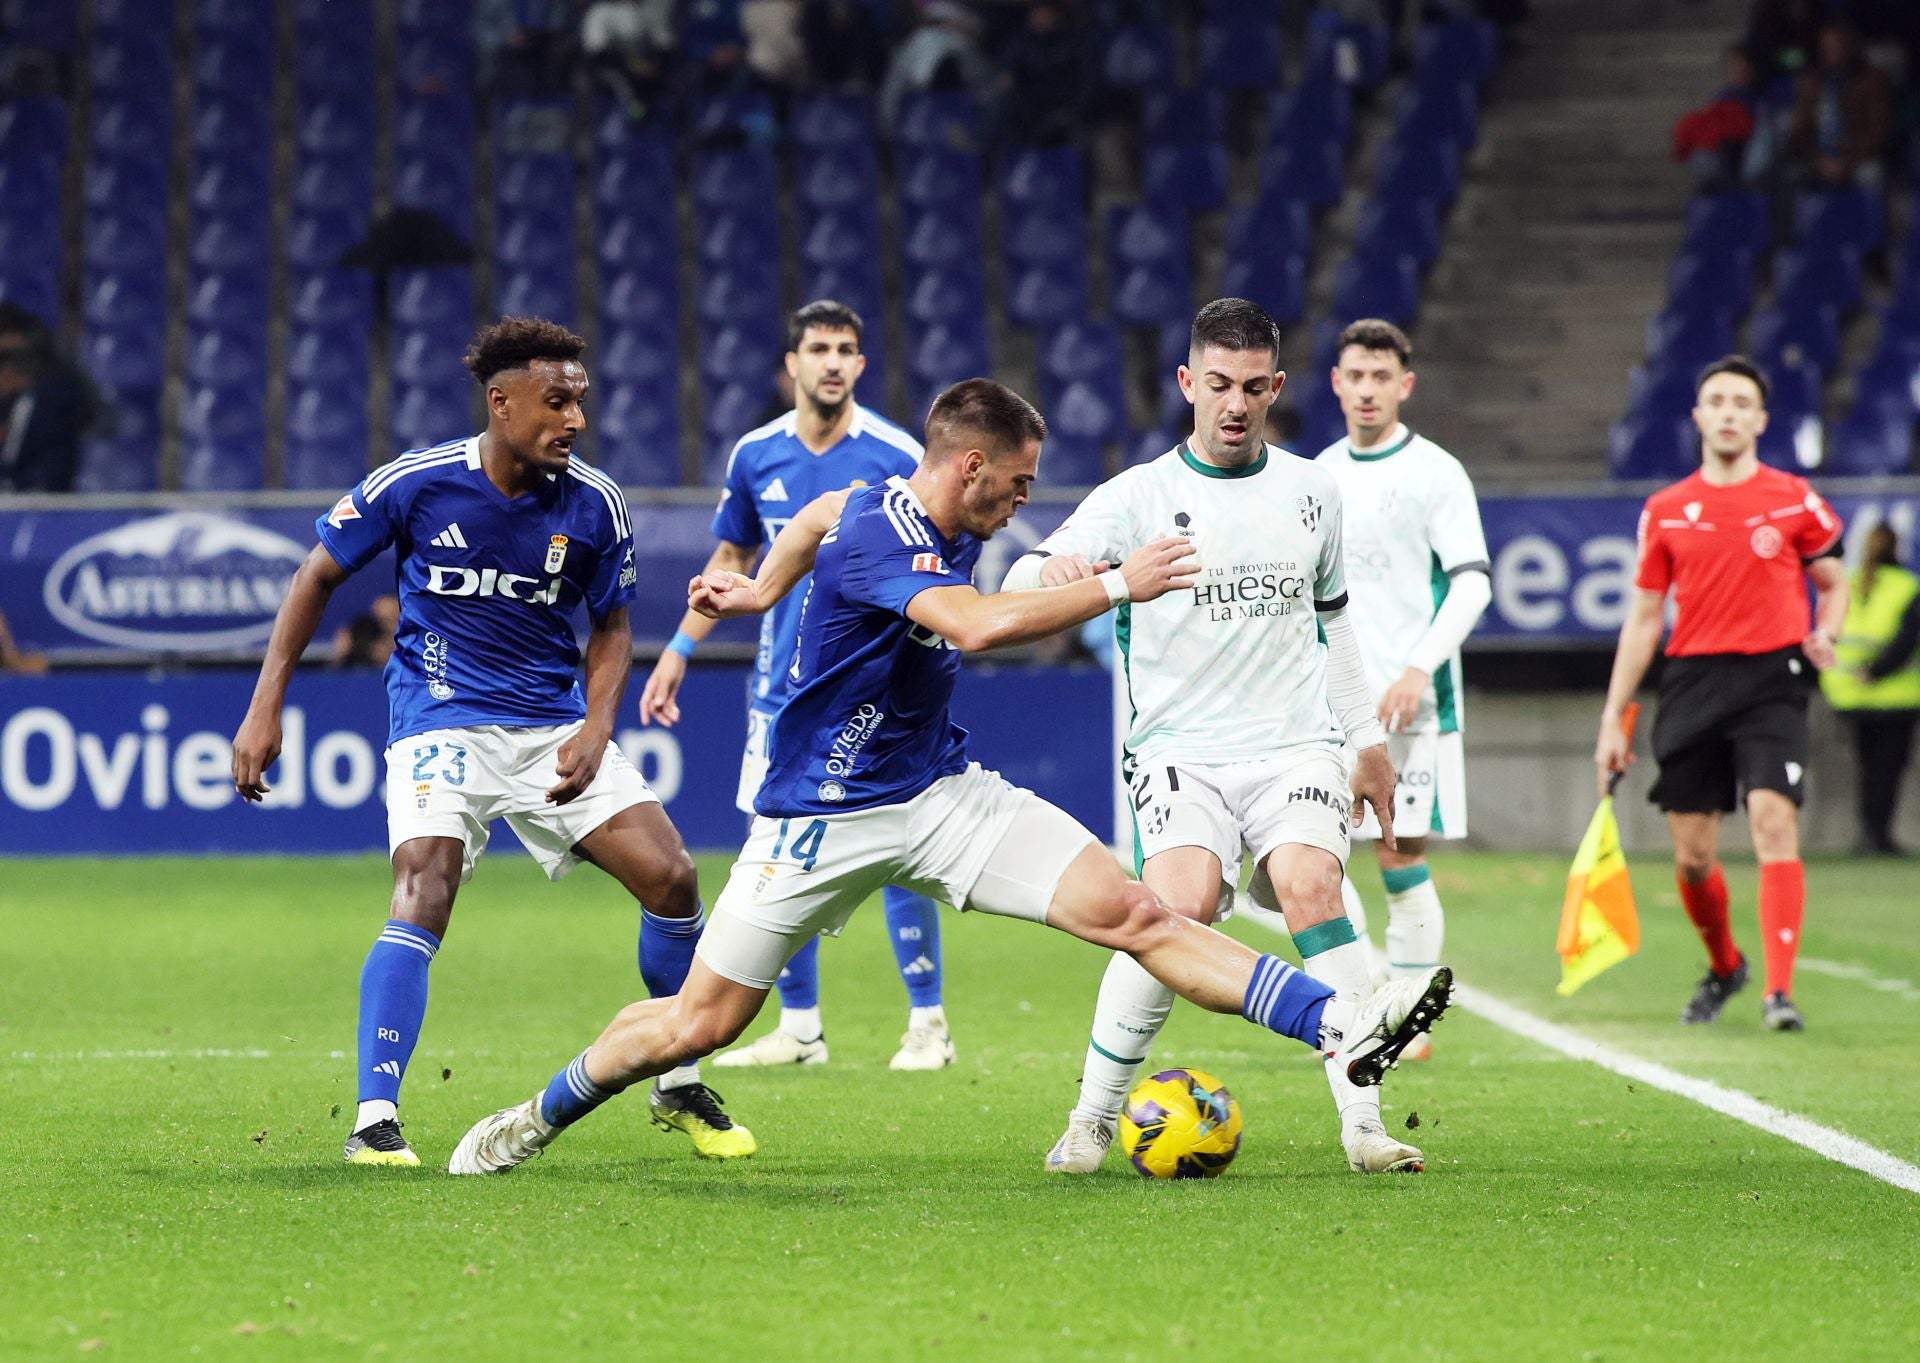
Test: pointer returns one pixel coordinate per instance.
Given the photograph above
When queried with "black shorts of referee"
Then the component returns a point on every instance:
(1728, 724)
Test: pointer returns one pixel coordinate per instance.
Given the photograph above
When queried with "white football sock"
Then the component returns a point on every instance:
(1344, 966)
(679, 1078)
(1416, 930)
(803, 1023)
(934, 1018)
(373, 1110)
(1356, 907)
(1131, 1010)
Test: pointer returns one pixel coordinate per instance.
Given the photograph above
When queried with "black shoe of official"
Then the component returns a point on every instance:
(1777, 1014)
(1713, 993)
(380, 1143)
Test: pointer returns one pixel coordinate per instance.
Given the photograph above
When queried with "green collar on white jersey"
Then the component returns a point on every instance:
(1207, 470)
(1388, 452)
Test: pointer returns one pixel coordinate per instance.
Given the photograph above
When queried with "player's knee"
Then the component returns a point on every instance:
(1201, 908)
(1142, 919)
(673, 885)
(1309, 894)
(703, 1031)
(1694, 864)
(425, 901)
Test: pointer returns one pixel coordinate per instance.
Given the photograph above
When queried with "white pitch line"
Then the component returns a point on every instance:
(1744, 1107)
(218, 1053)
(1859, 974)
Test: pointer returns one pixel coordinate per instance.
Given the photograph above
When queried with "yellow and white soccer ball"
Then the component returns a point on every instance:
(1180, 1124)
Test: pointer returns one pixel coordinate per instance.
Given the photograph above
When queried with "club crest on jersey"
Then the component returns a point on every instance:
(928, 563)
(343, 511)
(1309, 513)
(1183, 524)
(1766, 542)
(556, 553)
(1692, 510)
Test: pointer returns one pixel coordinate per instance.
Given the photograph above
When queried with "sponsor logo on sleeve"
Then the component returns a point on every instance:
(928, 563)
(343, 511)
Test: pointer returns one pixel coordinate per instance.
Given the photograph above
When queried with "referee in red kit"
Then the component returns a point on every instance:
(1736, 544)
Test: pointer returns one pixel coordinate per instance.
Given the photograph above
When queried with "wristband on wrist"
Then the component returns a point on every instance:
(1115, 582)
(682, 643)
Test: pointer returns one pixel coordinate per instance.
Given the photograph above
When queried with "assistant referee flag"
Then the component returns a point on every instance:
(1598, 925)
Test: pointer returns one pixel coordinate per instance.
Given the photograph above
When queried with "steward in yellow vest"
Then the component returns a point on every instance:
(1875, 681)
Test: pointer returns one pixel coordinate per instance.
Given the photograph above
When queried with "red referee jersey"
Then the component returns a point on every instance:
(1735, 559)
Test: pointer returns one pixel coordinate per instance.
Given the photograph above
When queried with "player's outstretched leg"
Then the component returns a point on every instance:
(913, 927)
(641, 849)
(644, 1039)
(798, 1038)
(393, 993)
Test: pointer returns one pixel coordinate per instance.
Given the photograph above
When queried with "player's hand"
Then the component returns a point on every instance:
(1061, 569)
(721, 595)
(1614, 752)
(1400, 706)
(1373, 783)
(577, 763)
(659, 698)
(1165, 565)
(254, 749)
(1818, 646)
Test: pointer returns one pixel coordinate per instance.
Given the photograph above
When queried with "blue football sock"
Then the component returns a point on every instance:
(913, 926)
(800, 981)
(393, 1003)
(1285, 1000)
(666, 950)
(571, 1095)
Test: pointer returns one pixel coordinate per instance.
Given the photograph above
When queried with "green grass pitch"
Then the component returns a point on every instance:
(172, 1187)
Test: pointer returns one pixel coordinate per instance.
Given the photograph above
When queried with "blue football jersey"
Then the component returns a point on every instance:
(867, 721)
(770, 476)
(488, 585)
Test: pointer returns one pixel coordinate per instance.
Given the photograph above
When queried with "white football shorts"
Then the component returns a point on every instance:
(1302, 796)
(452, 783)
(972, 839)
(753, 760)
(1431, 799)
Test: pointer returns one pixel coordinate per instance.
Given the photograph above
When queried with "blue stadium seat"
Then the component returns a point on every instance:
(237, 129)
(336, 125)
(111, 184)
(232, 359)
(132, 62)
(731, 114)
(1734, 220)
(315, 241)
(1778, 337)
(230, 241)
(1193, 179)
(1051, 178)
(34, 126)
(118, 18)
(1139, 56)
(233, 464)
(940, 178)
(1045, 295)
(123, 131)
(440, 184)
(1147, 294)
(1145, 446)
(425, 359)
(332, 359)
(1661, 390)
(1689, 341)
(545, 292)
(1316, 112)
(638, 298)
(1850, 216)
(1815, 276)
(235, 412)
(1311, 173)
(1273, 226)
(637, 241)
(125, 359)
(1082, 351)
(436, 63)
(741, 236)
(1710, 281)
(1192, 116)
(357, 15)
(948, 352)
(237, 64)
(333, 61)
(426, 414)
(736, 352)
(31, 241)
(1469, 47)
(637, 440)
(1438, 113)
(733, 409)
(1092, 409)
(441, 297)
(832, 122)
(433, 123)
(45, 24)
(938, 294)
(859, 288)
(1382, 231)
(231, 187)
(118, 464)
(1388, 289)
(133, 301)
(214, 18)
(1871, 442)
(939, 118)
(442, 21)
(1045, 238)
(1653, 447)
(825, 182)
(1355, 50)
(229, 303)
(744, 293)
(1146, 234)
(528, 240)
(1240, 48)
(739, 178)
(536, 183)
(838, 240)
(635, 180)
(326, 438)
(639, 354)
(1276, 283)
(936, 239)
(335, 300)
(1412, 174)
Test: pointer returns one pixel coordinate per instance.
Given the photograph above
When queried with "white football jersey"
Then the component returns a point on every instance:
(1411, 523)
(1231, 670)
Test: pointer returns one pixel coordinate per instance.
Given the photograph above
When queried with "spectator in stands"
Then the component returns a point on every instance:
(846, 44)
(368, 641)
(627, 45)
(523, 46)
(1875, 682)
(1045, 84)
(46, 405)
(1783, 34)
(942, 53)
(1842, 114)
(12, 659)
(1725, 142)
(775, 52)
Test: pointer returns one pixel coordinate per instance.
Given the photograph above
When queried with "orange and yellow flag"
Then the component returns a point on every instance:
(1598, 925)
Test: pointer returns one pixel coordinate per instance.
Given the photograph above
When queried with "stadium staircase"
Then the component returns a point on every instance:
(1560, 245)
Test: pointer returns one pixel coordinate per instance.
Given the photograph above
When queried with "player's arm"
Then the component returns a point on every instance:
(609, 661)
(1639, 637)
(1469, 592)
(659, 698)
(723, 595)
(257, 743)
(1355, 713)
(1096, 536)
(1829, 578)
(974, 623)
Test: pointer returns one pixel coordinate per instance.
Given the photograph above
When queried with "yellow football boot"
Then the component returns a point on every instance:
(695, 1109)
(380, 1143)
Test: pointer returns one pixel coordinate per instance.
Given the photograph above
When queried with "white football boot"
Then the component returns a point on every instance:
(510, 1136)
(774, 1049)
(1082, 1147)
(923, 1048)
(1369, 1041)
(1370, 1150)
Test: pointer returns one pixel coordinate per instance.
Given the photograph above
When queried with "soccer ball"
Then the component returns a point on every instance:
(1180, 1124)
